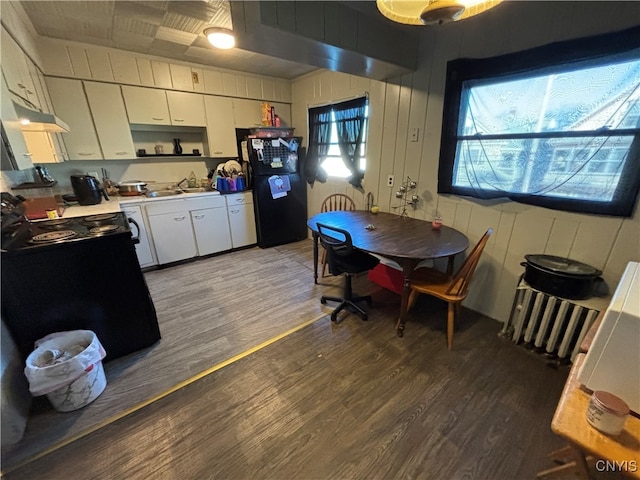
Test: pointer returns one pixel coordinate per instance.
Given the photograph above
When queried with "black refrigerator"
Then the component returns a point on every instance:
(279, 190)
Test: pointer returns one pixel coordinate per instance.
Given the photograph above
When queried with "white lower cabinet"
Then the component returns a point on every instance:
(211, 228)
(172, 231)
(144, 250)
(210, 224)
(242, 219)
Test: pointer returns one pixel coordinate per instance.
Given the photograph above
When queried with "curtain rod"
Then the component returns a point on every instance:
(333, 102)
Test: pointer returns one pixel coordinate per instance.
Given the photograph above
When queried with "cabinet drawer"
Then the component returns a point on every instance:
(239, 198)
(170, 206)
(200, 203)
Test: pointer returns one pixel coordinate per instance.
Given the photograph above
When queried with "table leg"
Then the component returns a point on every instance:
(315, 257)
(407, 268)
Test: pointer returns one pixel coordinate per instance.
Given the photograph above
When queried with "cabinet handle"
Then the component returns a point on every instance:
(234, 211)
(85, 154)
(121, 153)
(27, 154)
(178, 219)
(178, 119)
(199, 217)
(21, 85)
(155, 118)
(240, 200)
(217, 153)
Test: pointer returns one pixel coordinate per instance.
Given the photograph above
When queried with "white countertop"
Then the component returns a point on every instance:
(115, 202)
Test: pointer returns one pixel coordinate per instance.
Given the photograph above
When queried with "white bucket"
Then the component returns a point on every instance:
(67, 368)
(81, 391)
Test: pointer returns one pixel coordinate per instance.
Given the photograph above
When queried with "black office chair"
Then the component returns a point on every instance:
(342, 257)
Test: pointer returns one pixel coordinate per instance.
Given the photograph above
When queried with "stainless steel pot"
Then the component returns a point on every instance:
(132, 188)
(562, 277)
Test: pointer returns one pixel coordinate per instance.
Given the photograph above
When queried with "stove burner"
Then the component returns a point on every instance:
(101, 217)
(51, 237)
(55, 224)
(103, 229)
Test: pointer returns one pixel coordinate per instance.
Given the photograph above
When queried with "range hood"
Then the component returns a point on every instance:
(35, 121)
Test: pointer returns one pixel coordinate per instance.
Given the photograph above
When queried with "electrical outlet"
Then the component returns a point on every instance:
(390, 181)
(414, 134)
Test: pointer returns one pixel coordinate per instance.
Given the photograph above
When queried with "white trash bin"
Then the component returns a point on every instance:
(67, 368)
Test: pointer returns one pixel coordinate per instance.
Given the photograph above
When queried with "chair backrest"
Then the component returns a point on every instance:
(461, 280)
(335, 240)
(337, 201)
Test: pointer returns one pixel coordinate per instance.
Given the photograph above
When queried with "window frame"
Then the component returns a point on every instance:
(546, 59)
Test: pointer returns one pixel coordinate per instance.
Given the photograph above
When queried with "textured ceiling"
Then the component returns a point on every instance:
(170, 29)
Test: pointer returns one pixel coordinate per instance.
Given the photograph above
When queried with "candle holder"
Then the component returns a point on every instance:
(406, 197)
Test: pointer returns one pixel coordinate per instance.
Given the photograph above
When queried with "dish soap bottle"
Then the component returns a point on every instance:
(193, 180)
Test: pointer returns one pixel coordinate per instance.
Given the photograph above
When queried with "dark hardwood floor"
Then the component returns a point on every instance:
(334, 401)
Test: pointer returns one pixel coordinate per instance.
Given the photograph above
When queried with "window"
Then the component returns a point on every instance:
(332, 163)
(557, 126)
(337, 138)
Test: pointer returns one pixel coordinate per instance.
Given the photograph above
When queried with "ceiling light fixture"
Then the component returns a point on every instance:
(432, 12)
(220, 37)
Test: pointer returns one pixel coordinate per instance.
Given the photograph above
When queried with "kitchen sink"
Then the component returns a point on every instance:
(194, 190)
(163, 193)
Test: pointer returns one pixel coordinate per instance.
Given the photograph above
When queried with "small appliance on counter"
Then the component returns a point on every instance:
(87, 190)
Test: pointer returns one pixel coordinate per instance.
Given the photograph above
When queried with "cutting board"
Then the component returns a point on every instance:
(37, 207)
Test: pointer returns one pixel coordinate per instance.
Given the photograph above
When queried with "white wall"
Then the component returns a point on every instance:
(415, 101)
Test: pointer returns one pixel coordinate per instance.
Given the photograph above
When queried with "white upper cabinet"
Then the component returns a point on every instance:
(221, 132)
(15, 66)
(110, 118)
(70, 104)
(146, 105)
(181, 77)
(13, 131)
(186, 109)
(247, 113)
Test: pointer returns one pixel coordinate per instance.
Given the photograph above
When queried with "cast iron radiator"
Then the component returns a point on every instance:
(550, 325)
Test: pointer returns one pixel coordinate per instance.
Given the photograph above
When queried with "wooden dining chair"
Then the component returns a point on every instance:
(335, 202)
(452, 289)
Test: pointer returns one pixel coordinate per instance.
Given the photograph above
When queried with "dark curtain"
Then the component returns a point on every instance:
(350, 122)
(319, 138)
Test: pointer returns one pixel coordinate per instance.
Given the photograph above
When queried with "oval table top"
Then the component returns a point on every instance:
(394, 236)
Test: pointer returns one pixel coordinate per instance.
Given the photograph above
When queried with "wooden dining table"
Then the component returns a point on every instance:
(405, 240)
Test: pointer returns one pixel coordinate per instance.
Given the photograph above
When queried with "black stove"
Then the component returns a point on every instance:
(76, 273)
(49, 233)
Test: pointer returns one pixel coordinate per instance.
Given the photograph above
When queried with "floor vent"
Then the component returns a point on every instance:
(550, 325)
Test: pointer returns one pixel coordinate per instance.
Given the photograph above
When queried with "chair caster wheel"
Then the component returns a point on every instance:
(369, 301)
(334, 317)
(365, 318)
(323, 300)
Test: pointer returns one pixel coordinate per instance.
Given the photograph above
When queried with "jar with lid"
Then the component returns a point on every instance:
(607, 412)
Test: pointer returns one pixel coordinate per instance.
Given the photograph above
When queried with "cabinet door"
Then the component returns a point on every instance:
(70, 104)
(186, 109)
(243, 225)
(173, 236)
(41, 147)
(110, 117)
(13, 131)
(221, 132)
(247, 113)
(211, 227)
(146, 105)
(143, 249)
(16, 70)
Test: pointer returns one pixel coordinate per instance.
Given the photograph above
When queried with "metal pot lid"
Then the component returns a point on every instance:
(562, 265)
(132, 183)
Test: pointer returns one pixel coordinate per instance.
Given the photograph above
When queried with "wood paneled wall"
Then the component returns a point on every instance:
(415, 101)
